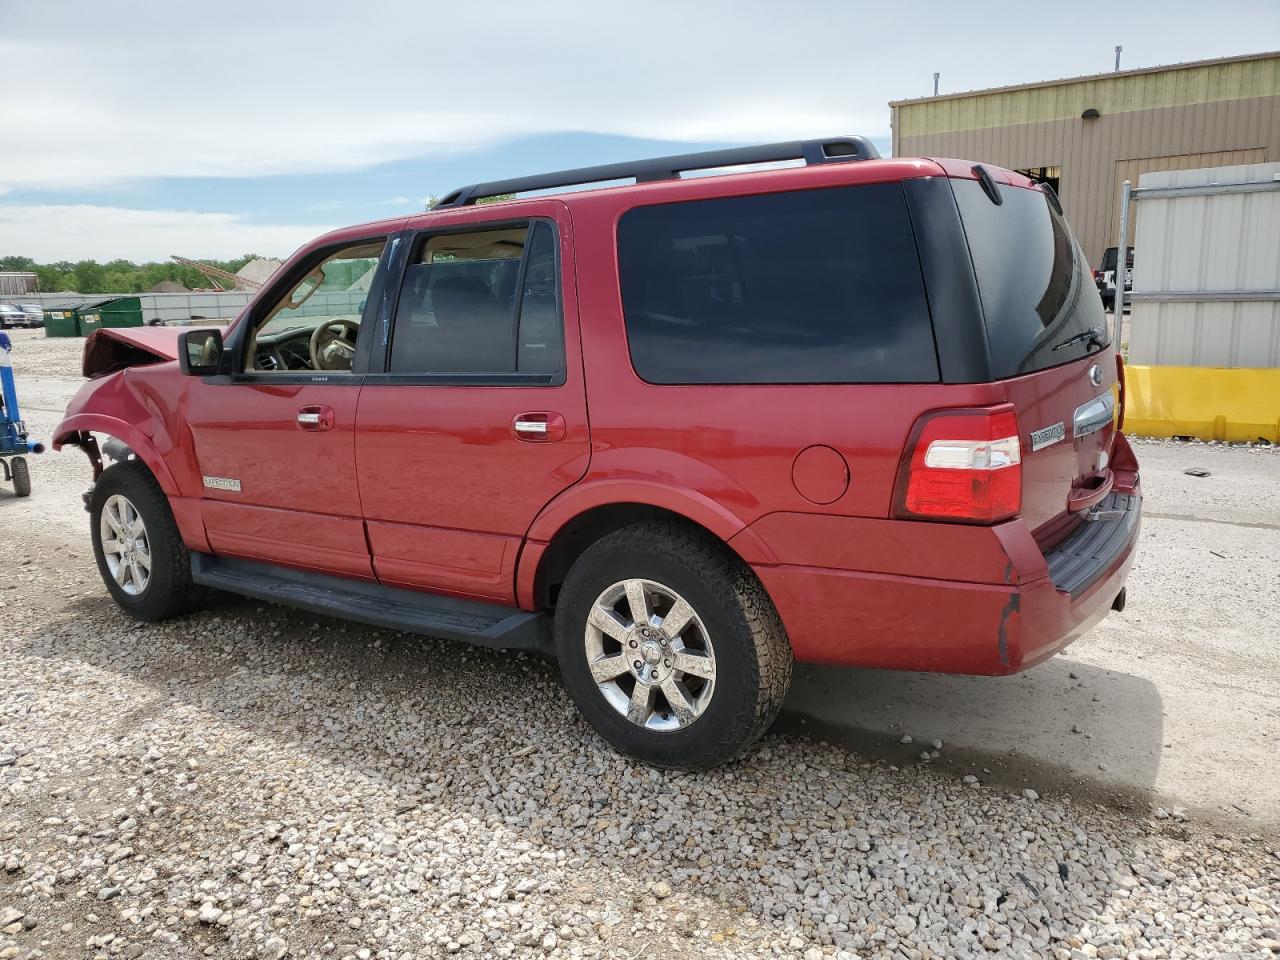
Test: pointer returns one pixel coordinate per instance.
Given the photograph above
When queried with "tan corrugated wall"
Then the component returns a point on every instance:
(1206, 81)
(1096, 155)
(1178, 118)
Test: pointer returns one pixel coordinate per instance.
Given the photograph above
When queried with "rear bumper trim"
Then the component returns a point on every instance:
(1090, 550)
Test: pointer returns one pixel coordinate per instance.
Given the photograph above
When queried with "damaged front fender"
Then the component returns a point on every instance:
(78, 431)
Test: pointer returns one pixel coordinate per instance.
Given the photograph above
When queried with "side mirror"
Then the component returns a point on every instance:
(199, 352)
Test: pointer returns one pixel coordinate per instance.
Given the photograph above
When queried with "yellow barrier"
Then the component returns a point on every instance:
(1212, 403)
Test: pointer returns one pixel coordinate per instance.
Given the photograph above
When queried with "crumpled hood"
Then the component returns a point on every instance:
(109, 349)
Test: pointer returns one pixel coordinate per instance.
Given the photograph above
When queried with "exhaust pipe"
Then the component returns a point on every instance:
(1118, 603)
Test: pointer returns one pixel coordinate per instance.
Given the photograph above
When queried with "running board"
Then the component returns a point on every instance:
(413, 611)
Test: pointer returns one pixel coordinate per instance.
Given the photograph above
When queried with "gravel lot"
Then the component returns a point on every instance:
(253, 782)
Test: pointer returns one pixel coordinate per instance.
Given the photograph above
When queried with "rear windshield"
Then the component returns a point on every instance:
(1038, 296)
(809, 286)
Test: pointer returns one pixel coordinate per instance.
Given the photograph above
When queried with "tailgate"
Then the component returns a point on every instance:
(1049, 344)
(1066, 418)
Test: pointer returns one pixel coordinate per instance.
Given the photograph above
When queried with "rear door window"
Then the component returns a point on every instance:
(812, 286)
(482, 302)
(1039, 300)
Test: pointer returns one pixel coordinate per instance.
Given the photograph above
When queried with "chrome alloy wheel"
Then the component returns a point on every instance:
(650, 655)
(125, 545)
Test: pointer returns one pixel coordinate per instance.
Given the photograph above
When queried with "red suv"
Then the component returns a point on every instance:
(676, 433)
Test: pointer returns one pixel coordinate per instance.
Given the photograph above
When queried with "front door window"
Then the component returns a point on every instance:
(313, 326)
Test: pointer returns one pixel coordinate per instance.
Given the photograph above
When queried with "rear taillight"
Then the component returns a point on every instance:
(963, 465)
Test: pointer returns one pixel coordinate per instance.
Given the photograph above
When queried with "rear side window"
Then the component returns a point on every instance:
(813, 286)
(1038, 296)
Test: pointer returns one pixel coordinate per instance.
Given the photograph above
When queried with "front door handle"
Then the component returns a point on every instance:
(538, 427)
(316, 416)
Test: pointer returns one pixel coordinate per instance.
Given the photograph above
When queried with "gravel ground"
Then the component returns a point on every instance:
(35, 354)
(254, 782)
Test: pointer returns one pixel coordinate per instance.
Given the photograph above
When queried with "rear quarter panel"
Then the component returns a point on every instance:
(737, 445)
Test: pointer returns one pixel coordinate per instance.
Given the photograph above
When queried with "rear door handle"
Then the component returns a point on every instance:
(317, 416)
(538, 427)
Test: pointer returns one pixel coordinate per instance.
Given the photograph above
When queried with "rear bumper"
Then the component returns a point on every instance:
(898, 622)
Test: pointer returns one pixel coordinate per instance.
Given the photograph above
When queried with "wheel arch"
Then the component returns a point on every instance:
(570, 524)
(78, 431)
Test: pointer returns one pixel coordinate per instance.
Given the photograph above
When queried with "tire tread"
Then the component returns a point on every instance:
(21, 476)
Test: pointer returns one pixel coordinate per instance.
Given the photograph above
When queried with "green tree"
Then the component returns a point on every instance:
(89, 276)
(52, 279)
(117, 276)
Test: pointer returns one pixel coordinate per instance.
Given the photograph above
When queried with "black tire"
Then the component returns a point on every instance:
(21, 476)
(752, 654)
(169, 591)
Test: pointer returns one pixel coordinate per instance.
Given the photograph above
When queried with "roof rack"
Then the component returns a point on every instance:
(830, 150)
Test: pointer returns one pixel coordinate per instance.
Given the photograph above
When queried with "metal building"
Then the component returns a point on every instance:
(16, 283)
(1087, 135)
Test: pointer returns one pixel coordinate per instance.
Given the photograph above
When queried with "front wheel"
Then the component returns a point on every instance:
(140, 553)
(670, 647)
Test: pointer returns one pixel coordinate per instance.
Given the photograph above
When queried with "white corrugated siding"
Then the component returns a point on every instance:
(1225, 242)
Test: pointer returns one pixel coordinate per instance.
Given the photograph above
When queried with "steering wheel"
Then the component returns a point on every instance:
(330, 347)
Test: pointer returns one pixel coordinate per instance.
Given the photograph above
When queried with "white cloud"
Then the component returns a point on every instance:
(86, 232)
(309, 85)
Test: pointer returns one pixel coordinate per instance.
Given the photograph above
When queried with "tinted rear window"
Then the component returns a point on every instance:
(1036, 287)
(813, 286)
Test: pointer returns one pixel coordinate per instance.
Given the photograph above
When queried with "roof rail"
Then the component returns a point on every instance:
(830, 150)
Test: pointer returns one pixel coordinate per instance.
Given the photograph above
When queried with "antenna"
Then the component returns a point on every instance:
(1118, 49)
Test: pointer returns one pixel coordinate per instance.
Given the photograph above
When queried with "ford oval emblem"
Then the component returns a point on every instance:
(1095, 375)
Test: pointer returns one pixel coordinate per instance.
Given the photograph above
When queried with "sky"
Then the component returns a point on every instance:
(141, 129)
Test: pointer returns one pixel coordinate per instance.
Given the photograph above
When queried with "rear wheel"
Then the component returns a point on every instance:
(670, 646)
(140, 553)
(21, 476)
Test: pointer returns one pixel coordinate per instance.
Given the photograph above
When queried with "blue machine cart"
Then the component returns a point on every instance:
(14, 442)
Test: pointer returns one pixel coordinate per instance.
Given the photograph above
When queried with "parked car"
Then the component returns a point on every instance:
(34, 312)
(11, 316)
(677, 434)
(1105, 277)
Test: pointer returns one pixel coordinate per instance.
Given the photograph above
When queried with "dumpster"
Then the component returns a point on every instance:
(82, 319)
(60, 321)
(109, 312)
(117, 312)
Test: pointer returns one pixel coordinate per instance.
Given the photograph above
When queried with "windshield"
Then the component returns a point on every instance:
(1039, 300)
